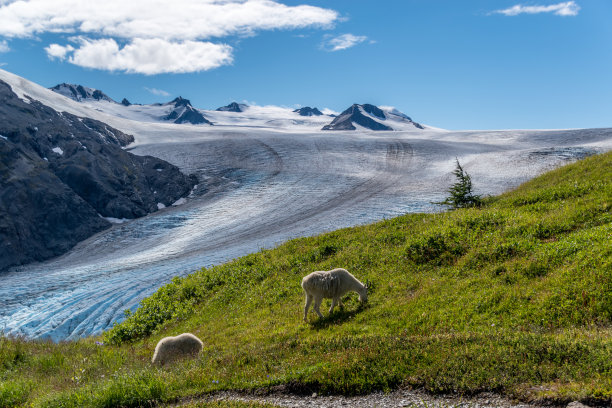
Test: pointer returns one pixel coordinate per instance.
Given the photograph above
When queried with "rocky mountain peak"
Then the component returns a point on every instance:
(80, 93)
(233, 107)
(308, 111)
(370, 117)
(183, 112)
(360, 115)
(180, 101)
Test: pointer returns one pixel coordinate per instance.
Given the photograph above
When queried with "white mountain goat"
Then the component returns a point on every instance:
(172, 348)
(331, 285)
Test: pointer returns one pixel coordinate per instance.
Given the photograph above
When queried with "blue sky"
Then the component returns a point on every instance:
(470, 64)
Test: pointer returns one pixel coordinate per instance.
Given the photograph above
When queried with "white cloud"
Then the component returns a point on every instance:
(58, 51)
(175, 20)
(156, 91)
(327, 111)
(145, 56)
(342, 42)
(4, 47)
(178, 28)
(568, 8)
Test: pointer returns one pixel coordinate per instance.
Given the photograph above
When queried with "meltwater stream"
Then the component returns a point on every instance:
(256, 191)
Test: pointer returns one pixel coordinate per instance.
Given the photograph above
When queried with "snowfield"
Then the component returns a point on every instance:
(263, 179)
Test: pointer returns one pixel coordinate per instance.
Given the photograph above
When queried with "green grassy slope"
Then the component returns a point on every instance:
(514, 297)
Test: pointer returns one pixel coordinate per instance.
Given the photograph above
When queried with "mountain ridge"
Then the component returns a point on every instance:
(357, 116)
(80, 92)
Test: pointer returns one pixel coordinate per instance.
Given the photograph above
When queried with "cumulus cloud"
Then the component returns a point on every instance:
(145, 56)
(4, 47)
(58, 51)
(568, 8)
(179, 28)
(342, 42)
(156, 91)
(175, 20)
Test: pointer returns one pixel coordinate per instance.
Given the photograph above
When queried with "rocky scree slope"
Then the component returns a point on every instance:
(60, 174)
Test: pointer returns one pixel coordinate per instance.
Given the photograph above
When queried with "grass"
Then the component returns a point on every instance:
(513, 297)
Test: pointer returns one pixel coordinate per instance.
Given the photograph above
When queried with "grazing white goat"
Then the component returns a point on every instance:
(172, 348)
(331, 285)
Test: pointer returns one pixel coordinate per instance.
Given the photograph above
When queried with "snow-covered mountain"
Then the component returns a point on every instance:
(181, 111)
(233, 107)
(372, 117)
(80, 92)
(184, 112)
(308, 111)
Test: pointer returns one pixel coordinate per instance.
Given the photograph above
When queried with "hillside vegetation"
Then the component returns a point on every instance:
(514, 297)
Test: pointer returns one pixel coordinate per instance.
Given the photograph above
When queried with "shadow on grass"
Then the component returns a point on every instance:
(339, 316)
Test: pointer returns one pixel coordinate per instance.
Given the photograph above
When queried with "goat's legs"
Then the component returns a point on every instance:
(317, 305)
(335, 301)
(307, 306)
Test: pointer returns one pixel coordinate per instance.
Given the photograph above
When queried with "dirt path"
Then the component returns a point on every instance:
(397, 398)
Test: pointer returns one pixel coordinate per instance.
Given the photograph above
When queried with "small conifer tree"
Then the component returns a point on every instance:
(461, 193)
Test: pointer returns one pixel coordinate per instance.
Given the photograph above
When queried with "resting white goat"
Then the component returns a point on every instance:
(172, 348)
(331, 285)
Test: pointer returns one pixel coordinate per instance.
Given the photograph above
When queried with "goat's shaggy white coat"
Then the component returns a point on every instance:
(172, 348)
(331, 285)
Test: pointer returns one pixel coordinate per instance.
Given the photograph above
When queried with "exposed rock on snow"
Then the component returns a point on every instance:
(183, 112)
(308, 111)
(233, 107)
(356, 114)
(370, 117)
(80, 92)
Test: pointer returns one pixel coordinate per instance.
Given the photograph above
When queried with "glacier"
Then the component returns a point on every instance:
(262, 181)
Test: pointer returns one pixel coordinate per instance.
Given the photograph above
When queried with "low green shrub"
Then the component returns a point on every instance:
(14, 393)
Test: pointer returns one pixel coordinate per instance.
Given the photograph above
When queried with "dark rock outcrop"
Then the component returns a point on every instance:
(233, 107)
(60, 174)
(184, 112)
(80, 92)
(345, 120)
(125, 102)
(373, 110)
(308, 111)
(180, 101)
